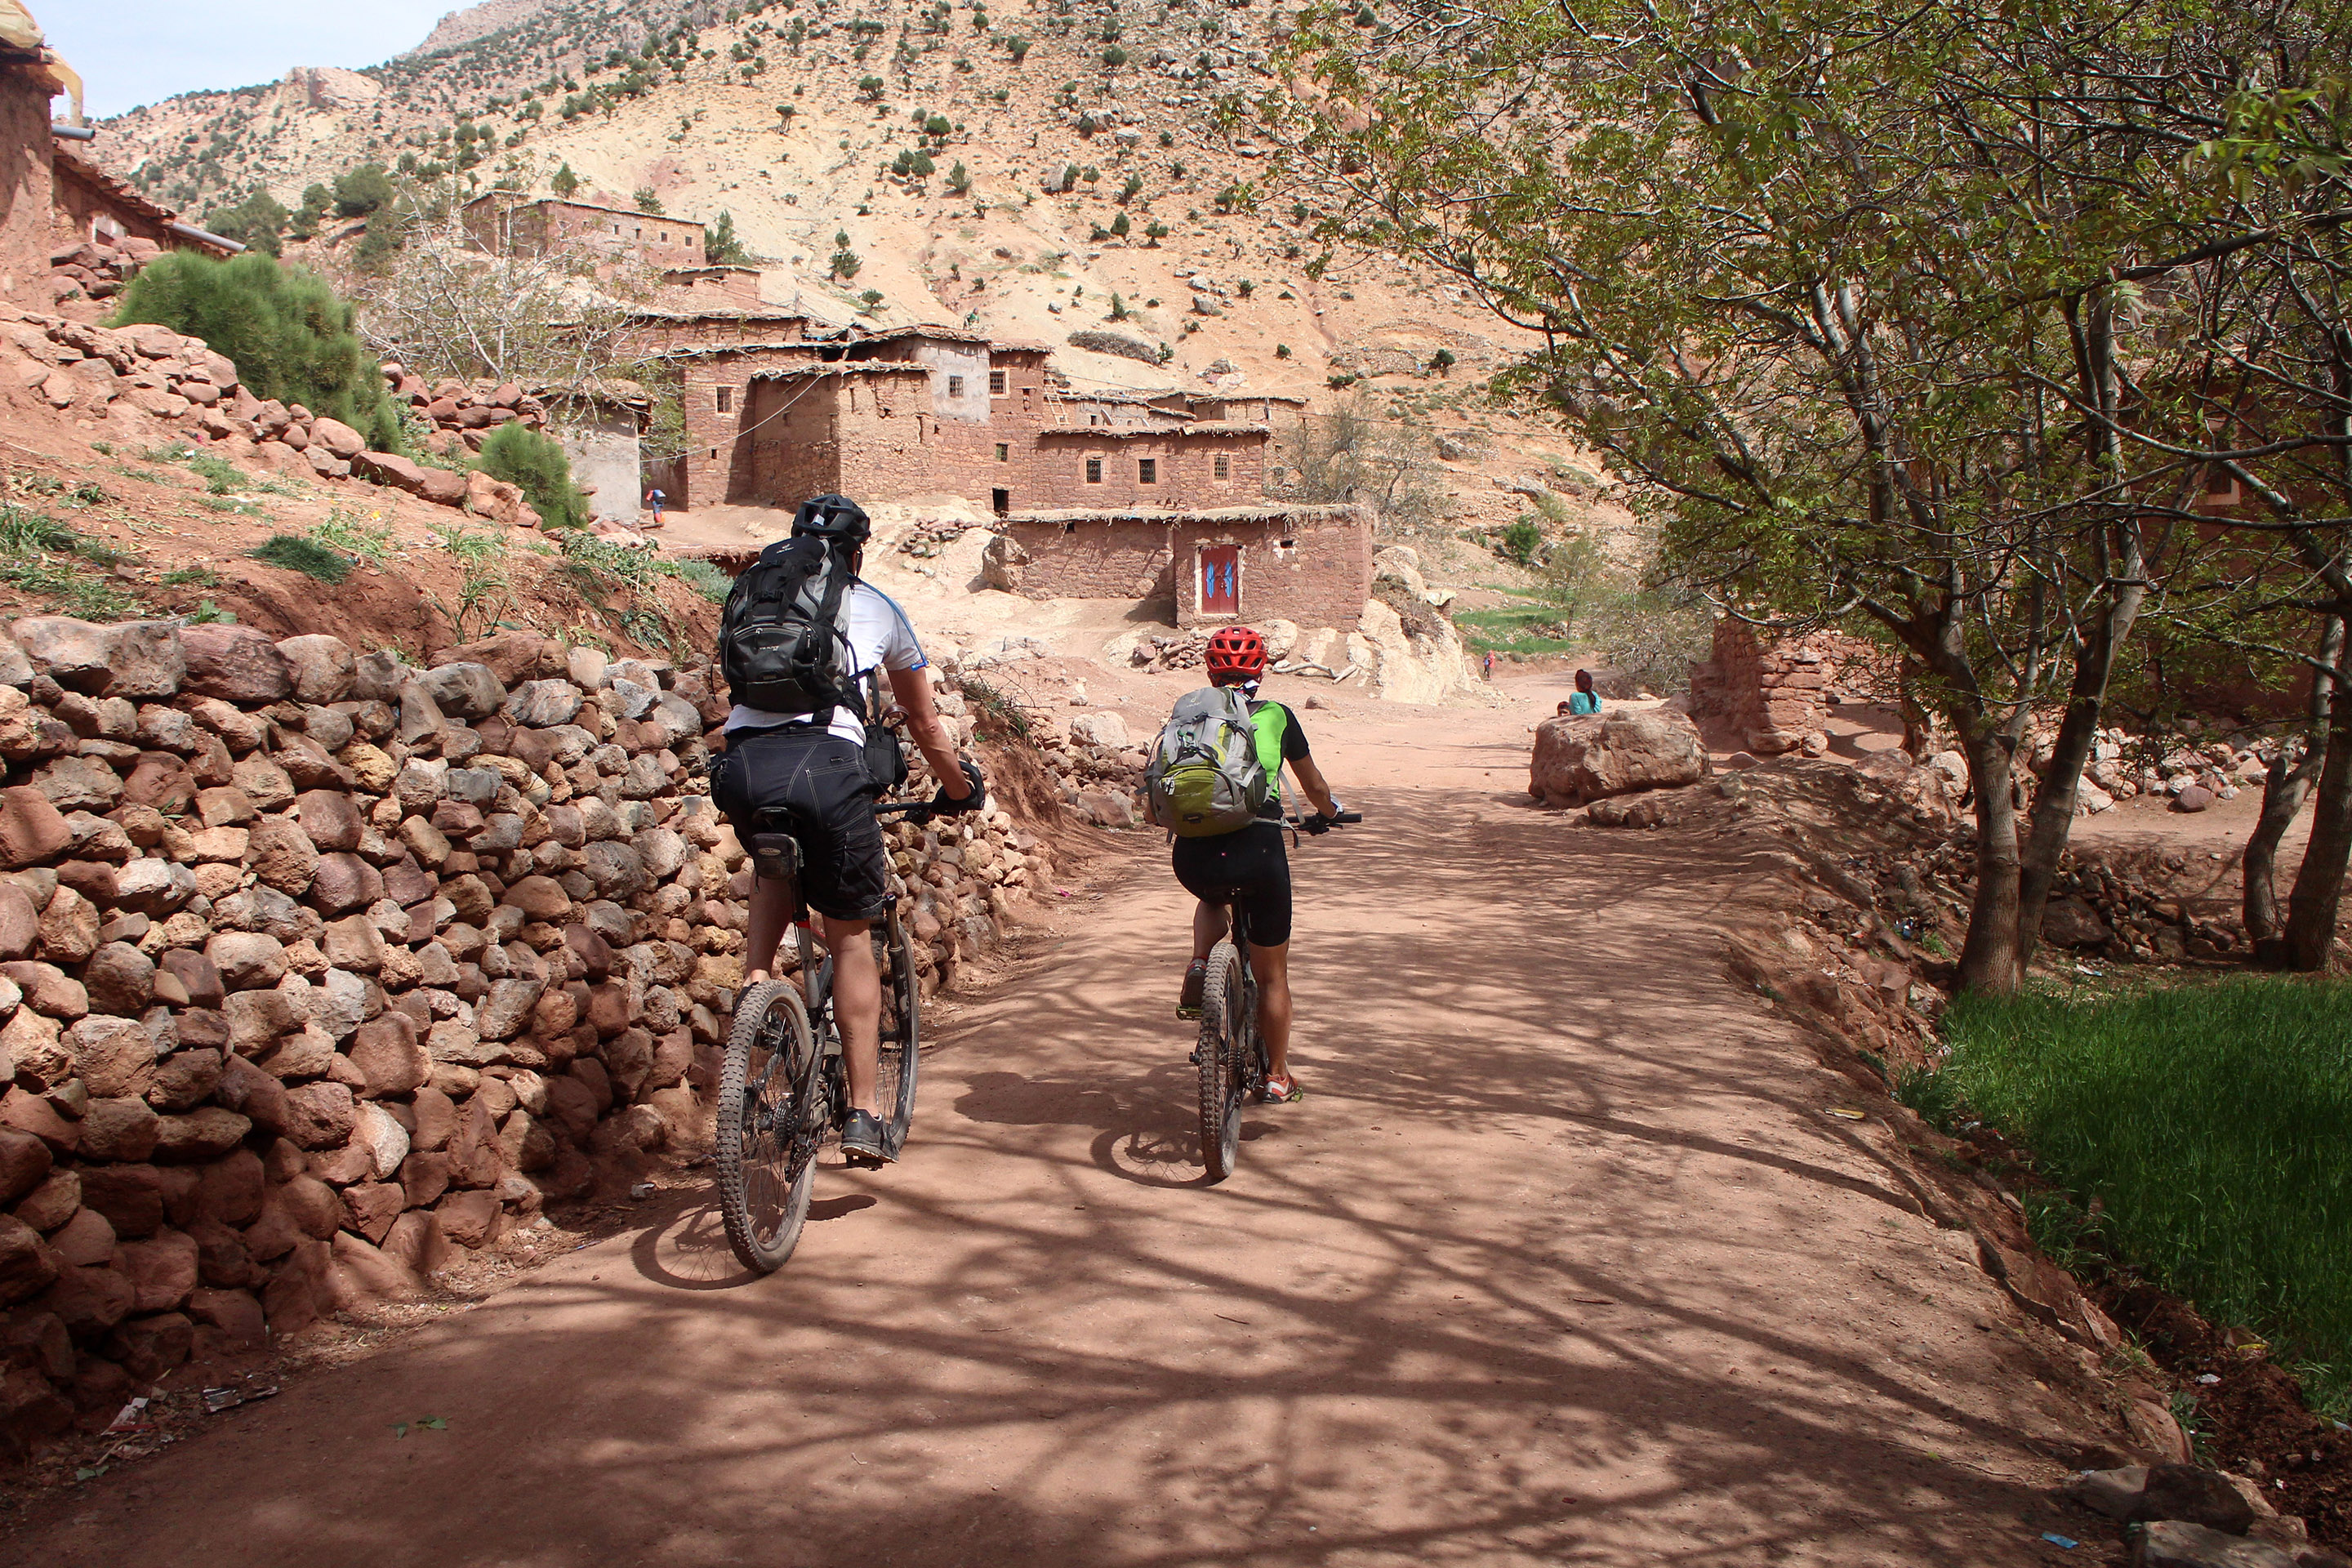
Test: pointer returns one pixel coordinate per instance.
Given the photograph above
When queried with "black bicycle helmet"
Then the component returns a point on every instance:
(837, 518)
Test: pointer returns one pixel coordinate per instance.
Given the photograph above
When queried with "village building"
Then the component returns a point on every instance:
(502, 221)
(1309, 564)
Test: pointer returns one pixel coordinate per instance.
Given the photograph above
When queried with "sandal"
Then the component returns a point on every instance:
(1280, 1091)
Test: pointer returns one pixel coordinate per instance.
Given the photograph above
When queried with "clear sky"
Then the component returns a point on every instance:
(132, 52)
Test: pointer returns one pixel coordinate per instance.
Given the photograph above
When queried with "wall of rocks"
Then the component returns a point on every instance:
(1769, 696)
(316, 967)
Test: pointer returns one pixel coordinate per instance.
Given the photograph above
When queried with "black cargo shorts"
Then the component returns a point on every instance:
(819, 782)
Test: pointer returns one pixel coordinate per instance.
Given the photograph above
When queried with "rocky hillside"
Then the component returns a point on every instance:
(1078, 188)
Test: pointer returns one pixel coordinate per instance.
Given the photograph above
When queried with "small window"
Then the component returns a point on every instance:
(999, 501)
(1003, 452)
(1147, 470)
(1094, 470)
(726, 399)
(1225, 465)
(955, 386)
(995, 383)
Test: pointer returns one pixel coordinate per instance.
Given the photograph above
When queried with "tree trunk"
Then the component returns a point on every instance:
(2286, 784)
(2061, 777)
(1989, 960)
(2319, 883)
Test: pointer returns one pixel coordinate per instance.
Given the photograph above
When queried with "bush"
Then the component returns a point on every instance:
(722, 246)
(307, 556)
(254, 222)
(362, 190)
(536, 464)
(288, 330)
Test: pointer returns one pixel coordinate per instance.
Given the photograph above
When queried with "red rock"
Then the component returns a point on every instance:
(89, 1301)
(368, 1275)
(470, 1219)
(53, 1203)
(20, 922)
(251, 1092)
(329, 818)
(388, 1054)
(313, 1206)
(372, 1206)
(196, 974)
(119, 1129)
(130, 1197)
(149, 1347)
(281, 855)
(437, 1121)
(423, 1177)
(205, 1133)
(24, 1163)
(235, 663)
(300, 1289)
(31, 829)
(231, 1190)
(161, 1271)
(86, 1240)
(29, 1112)
(69, 928)
(236, 1314)
(344, 882)
(221, 1256)
(418, 1242)
(29, 1265)
(319, 1115)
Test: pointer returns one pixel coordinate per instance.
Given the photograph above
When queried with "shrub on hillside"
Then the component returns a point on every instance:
(288, 332)
(537, 465)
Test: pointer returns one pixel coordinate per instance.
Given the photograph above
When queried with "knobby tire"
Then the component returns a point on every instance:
(1221, 1044)
(901, 1041)
(767, 1136)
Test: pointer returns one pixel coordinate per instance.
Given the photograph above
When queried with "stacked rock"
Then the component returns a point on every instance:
(96, 268)
(150, 383)
(314, 965)
(461, 414)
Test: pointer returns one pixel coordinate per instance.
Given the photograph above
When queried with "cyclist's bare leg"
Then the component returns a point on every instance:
(1271, 965)
(1208, 928)
(856, 1005)
(765, 922)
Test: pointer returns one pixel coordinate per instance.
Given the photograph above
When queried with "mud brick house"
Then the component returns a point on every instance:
(91, 204)
(1309, 564)
(504, 221)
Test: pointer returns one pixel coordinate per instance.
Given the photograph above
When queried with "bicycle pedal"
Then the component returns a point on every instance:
(862, 1161)
(1187, 1014)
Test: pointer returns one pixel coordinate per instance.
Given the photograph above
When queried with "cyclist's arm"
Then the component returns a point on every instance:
(1310, 779)
(912, 688)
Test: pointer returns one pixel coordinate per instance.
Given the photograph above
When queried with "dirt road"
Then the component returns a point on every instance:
(1560, 1260)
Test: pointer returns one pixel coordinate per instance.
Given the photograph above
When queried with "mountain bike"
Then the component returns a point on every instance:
(1231, 1055)
(783, 1091)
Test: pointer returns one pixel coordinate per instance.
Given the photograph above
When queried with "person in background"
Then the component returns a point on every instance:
(1490, 666)
(1586, 700)
(654, 499)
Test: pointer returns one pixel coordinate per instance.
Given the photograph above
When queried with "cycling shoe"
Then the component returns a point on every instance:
(864, 1143)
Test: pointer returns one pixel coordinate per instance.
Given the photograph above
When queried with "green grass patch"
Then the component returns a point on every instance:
(342, 532)
(2208, 1122)
(191, 577)
(307, 556)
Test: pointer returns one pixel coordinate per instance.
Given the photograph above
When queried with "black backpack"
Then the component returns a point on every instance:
(783, 640)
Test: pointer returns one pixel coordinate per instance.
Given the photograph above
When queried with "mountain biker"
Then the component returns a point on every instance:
(814, 767)
(1250, 867)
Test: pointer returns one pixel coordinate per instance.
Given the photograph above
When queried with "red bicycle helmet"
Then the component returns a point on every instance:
(1235, 651)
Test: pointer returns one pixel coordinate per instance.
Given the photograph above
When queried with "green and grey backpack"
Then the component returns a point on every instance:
(1205, 776)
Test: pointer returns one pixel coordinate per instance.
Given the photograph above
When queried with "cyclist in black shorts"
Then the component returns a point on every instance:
(1250, 869)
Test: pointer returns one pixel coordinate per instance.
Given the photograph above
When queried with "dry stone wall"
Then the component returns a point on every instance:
(315, 966)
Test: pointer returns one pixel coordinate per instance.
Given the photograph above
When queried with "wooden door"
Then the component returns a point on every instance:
(1220, 590)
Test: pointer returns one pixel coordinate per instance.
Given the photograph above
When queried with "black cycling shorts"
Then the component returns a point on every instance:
(820, 783)
(1249, 870)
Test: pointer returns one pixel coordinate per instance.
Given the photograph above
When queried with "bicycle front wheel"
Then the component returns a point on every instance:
(769, 1126)
(901, 1037)
(1224, 1038)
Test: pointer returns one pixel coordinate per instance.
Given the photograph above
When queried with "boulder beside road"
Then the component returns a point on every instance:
(1580, 760)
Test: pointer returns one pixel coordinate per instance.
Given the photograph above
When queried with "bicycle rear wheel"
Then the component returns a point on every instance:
(1223, 1039)
(901, 1040)
(767, 1131)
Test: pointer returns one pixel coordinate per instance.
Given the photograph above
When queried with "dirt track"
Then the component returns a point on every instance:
(1560, 1260)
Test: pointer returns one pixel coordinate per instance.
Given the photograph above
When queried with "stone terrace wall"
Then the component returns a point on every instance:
(315, 966)
(1771, 697)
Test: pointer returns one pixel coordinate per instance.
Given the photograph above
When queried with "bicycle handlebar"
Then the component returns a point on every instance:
(1340, 819)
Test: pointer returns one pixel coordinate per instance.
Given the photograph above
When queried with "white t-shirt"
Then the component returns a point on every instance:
(880, 637)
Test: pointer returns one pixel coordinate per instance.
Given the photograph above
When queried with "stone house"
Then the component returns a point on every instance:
(504, 221)
(1308, 565)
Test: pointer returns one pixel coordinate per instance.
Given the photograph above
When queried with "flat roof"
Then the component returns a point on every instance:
(1140, 431)
(1341, 511)
(844, 367)
(711, 351)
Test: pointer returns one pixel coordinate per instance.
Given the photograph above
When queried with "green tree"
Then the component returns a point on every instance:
(289, 333)
(720, 247)
(565, 183)
(958, 179)
(646, 201)
(362, 190)
(537, 465)
(254, 222)
(869, 87)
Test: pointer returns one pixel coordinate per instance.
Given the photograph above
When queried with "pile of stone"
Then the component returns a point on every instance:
(96, 269)
(2094, 908)
(149, 385)
(460, 412)
(2192, 775)
(2185, 1516)
(315, 966)
(1181, 650)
